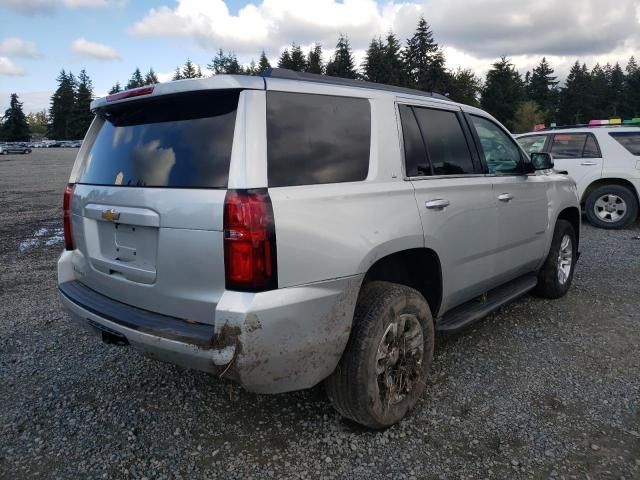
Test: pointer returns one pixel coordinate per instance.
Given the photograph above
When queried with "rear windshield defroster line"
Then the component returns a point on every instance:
(176, 141)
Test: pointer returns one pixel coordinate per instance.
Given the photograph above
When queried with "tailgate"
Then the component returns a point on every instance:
(150, 183)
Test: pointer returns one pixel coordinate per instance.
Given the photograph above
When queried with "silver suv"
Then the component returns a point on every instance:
(293, 229)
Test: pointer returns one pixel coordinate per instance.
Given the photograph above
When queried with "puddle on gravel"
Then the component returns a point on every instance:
(44, 236)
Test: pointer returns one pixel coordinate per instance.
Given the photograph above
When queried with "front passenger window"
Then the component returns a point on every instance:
(500, 151)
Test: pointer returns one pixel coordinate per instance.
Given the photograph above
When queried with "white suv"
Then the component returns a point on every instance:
(604, 161)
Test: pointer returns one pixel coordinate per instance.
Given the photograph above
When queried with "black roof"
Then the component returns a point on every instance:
(347, 82)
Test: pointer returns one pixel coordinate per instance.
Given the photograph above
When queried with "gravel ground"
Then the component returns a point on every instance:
(541, 389)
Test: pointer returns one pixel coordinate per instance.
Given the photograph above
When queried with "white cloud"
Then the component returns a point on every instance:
(19, 47)
(98, 51)
(48, 7)
(473, 32)
(30, 7)
(7, 67)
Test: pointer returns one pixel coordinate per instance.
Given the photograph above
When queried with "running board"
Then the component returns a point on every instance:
(474, 310)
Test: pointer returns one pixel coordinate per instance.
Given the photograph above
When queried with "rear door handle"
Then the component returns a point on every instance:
(505, 197)
(437, 204)
(588, 163)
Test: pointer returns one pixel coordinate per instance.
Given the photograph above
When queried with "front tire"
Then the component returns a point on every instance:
(556, 275)
(611, 206)
(385, 366)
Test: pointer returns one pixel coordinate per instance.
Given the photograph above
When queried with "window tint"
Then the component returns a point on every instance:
(533, 143)
(415, 157)
(446, 144)
(591, 149)
(568, 145)
(500, 152)
(629, 140)
(171, 141)
(317, 139)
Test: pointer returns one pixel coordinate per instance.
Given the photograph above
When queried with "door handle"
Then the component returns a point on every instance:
(437, 204)
(588, 163)
(505, 197)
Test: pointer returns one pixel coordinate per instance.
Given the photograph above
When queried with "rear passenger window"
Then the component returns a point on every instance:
(629, 140)
(568, 145)
(447, 147)
(500, 151)
(315, 139)
(415, 156)
(591, 149)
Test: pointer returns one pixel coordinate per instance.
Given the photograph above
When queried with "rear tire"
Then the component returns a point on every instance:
(385, 366)
(611, 206)
(556, 275)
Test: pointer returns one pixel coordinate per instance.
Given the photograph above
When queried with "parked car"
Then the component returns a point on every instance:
(604, 161)
(14, 148)
(294, 229)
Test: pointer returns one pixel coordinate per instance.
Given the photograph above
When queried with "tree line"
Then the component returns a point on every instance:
(519, 101)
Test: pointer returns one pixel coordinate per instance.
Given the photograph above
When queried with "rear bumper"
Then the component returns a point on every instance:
(157, 336)
(269, 342)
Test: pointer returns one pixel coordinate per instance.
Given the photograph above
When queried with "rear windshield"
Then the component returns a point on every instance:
(179, 141)
(629, 140)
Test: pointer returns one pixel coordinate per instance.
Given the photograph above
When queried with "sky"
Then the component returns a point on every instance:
(110, 38)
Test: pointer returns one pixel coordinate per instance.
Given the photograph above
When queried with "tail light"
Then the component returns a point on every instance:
(69, 244)
(250, 261)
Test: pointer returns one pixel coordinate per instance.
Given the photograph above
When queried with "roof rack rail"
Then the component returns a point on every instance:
(561, 127)
(347, 82)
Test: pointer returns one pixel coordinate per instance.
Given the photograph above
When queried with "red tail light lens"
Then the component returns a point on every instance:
(249, 241)
(69, 244)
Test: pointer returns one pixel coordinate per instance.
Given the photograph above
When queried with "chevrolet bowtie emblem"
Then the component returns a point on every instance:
(111, 215)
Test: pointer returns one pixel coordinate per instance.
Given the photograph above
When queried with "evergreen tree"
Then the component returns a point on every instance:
(541, 87)
(298, 62)
(599, 93)
(632, 88)
(464, 87)
(81, 115)
(263, 64)
(615, 78)
(424, 61)
(574, 102)
(314, 60)
(115, 89)
(136, 80)
(61, 107)
(503, 91)
(373, 66)
(252, 69)
(342, 63)
(151, 78)
(393, 65)
(189, 70)
(14, 126)
(225, 63)
(177, 75)
(285, 59)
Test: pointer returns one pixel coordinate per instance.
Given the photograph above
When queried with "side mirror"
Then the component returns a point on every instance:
(541, 160)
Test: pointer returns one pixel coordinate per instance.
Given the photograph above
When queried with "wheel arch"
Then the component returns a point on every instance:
(572, 215)
(418, 268)
(601, 182)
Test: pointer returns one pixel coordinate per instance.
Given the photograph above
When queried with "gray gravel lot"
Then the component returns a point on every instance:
(541, 389)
